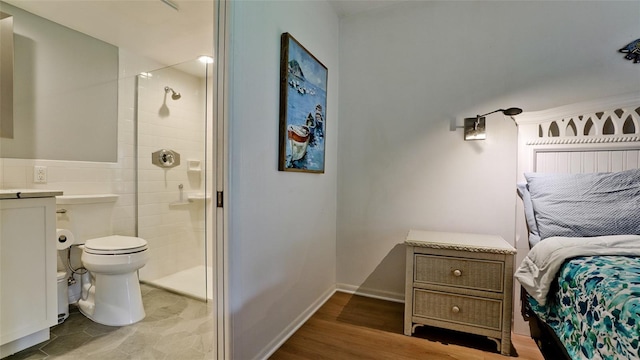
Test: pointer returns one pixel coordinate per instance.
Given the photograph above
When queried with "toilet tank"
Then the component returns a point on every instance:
(87, 216)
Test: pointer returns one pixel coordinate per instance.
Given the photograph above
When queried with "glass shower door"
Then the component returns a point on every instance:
(173, 198)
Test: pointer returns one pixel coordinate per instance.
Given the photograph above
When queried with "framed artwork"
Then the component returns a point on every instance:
(303, 106)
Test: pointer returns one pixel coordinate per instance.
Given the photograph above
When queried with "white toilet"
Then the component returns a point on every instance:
(110, 290)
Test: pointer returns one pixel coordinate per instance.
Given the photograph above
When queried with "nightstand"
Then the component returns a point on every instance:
(461, 282)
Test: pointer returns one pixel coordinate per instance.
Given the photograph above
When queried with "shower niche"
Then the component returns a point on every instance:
(171, 123)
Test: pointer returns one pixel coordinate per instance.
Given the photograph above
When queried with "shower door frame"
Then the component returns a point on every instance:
(222, 315)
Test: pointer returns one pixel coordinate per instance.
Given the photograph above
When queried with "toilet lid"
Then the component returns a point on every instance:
(115, 244)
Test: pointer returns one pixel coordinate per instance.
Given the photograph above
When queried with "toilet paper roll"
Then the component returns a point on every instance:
(64, 239)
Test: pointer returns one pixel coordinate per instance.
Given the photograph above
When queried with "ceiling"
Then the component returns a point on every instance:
(147, 27)
(352, 7)
(151, 27)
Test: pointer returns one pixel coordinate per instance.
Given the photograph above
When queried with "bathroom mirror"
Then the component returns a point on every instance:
(6, 75)
(62, 108)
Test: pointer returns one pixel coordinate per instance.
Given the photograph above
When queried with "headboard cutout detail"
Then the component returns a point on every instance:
(616, 122)
(602, 121)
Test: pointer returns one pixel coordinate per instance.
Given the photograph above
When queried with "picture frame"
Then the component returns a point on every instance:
(303, 106)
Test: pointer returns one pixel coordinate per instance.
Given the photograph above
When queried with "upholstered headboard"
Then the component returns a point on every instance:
(595, 136)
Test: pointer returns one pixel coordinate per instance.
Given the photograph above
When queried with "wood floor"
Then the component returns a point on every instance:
(355, 327)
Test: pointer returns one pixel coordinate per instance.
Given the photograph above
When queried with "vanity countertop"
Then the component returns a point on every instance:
(27, 193)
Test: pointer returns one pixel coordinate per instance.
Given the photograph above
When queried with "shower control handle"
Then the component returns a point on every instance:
(165, 158)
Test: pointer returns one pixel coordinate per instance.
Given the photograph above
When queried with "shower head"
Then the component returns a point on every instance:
(174, 95)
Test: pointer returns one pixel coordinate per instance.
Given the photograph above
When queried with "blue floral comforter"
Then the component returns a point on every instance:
(596, 309)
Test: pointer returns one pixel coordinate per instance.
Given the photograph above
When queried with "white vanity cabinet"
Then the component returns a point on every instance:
(28, 292)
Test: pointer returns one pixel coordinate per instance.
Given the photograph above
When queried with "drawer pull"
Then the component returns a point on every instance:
(455, 309)
(457, 272)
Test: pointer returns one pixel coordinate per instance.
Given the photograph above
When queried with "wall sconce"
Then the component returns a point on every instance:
(474, 128)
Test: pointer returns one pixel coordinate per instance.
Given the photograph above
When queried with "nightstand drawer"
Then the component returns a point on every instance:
(466, 310)
(474, 274)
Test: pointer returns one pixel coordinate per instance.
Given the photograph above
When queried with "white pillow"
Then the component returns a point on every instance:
(534, 233)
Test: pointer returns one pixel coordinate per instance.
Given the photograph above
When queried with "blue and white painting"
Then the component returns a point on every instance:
(306, 106)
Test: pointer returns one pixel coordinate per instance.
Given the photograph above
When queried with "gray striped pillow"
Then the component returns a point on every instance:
(583, 205)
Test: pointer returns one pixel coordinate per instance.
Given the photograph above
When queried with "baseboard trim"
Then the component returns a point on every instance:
(371, 293)
(295, 325)
(22, 343)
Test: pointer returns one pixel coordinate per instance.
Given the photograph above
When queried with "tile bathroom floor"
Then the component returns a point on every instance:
(176, 327)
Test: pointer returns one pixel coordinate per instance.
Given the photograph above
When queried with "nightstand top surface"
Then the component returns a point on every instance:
(459, 241)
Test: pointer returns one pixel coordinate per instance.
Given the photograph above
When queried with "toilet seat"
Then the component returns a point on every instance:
(115, 245)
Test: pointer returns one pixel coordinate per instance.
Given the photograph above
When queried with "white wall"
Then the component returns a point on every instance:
(282, 234)
(410, 70)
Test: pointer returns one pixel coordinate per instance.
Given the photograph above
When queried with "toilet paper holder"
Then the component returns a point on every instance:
(64, 239)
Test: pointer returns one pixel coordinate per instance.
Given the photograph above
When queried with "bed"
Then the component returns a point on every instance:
(578, 231)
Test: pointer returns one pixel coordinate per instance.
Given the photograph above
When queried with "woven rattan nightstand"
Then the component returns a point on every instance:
(461, 282)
